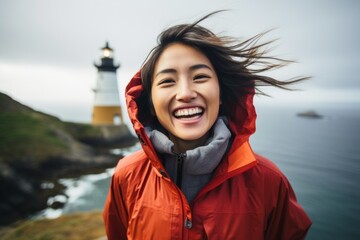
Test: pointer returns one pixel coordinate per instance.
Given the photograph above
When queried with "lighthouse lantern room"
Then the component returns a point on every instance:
(107, 108)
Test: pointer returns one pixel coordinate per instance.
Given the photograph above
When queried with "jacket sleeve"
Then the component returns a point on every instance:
(115, 214)
(287, 220)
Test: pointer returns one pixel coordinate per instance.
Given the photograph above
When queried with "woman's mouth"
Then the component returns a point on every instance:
(188, 113)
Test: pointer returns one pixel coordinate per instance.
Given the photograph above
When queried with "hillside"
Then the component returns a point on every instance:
(35, 147)
(88, 225)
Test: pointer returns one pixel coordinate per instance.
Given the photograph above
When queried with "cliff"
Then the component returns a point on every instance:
(37, 147)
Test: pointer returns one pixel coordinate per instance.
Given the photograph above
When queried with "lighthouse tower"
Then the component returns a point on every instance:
(107, 108)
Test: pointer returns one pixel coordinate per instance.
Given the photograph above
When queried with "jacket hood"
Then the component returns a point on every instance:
(241, 123)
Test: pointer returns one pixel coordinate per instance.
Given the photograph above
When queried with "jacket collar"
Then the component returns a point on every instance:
(201, 160)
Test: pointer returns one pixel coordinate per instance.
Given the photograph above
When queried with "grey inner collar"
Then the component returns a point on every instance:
(198, 161)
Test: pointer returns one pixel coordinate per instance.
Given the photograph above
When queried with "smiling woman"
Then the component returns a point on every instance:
(191, 106)
(185, 95)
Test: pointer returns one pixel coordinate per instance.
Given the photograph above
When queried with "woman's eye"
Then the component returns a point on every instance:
(201, 77)
(166, 81)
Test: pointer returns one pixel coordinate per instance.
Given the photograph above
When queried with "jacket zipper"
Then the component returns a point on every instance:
(179, 168)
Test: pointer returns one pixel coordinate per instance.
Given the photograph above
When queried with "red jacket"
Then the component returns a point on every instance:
(247, 198)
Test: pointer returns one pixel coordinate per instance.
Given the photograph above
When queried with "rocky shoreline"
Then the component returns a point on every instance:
(36, 149)
(24, 192)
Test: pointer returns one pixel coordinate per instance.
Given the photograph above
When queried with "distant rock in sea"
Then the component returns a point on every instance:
(310, 114)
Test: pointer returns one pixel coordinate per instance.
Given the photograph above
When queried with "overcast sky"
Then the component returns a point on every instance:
(48, 47)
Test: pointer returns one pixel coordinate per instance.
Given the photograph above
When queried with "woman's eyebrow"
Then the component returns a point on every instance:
(192, 68)
(198, 66)
(167, 70)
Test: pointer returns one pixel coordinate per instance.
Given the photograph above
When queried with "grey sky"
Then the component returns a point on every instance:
(66, 36)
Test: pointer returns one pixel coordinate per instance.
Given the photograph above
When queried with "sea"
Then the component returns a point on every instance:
(319, 156)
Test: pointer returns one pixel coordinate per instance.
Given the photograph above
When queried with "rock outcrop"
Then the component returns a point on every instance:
(310, 114)
(37, 147)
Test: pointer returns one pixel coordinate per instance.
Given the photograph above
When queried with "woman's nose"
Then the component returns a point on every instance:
(185, 91)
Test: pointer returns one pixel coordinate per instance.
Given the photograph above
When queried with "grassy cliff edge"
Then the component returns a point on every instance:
(88, 225)
(37, 147)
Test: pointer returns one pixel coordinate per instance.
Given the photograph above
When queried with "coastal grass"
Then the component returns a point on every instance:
(27, 135)
(82, 130)
(77, 226)
(24, 134)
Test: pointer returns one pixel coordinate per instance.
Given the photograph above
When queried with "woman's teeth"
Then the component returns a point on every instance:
(188, 112)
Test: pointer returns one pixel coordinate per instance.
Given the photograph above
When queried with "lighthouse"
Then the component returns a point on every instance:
(107, 108)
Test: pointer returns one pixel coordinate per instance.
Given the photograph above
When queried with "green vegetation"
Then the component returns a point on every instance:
(87, 225)
(35, 147)
(28, 135)
(31, 137)
(25, 134)
(82, 130)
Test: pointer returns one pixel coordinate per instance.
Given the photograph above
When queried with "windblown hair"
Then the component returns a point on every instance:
(239, 65)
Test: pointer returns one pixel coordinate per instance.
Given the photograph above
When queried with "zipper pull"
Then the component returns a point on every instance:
(188, 223)
(180, 157)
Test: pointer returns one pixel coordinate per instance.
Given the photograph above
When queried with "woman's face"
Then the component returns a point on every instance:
(186, 95)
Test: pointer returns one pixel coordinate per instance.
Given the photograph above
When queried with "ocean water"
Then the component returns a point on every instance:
(320, 157)
(84, 193)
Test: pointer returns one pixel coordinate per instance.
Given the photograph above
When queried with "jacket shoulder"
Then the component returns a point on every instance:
(270, 173)
(268, 167)
(131, 159)
(130, 164)
(274, 179)
(286, 218)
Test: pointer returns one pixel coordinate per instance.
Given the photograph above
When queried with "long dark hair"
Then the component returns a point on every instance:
(239, 65)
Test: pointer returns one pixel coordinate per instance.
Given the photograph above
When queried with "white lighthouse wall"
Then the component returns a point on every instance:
(106, 91)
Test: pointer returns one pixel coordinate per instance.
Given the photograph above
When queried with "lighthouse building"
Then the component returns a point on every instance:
(107, 108)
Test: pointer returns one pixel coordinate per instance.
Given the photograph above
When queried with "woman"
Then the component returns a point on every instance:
(196, 176)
